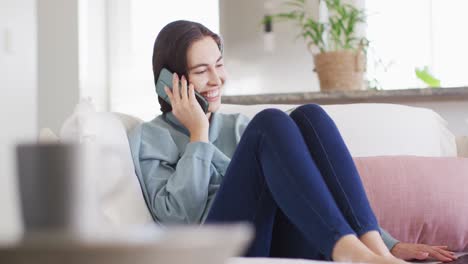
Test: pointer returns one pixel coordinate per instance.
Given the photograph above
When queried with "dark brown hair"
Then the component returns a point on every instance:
(171, 46)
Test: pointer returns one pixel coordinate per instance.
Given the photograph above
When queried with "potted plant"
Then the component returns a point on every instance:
(339, 55)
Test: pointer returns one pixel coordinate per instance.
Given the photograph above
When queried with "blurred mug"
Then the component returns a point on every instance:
(56, 189)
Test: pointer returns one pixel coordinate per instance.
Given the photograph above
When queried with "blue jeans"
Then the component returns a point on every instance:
(293, 178)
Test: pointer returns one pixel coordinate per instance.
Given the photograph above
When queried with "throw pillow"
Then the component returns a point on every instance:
(419, 199)
(120, 199)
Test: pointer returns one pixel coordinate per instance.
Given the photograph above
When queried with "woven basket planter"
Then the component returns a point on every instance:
(340, 70)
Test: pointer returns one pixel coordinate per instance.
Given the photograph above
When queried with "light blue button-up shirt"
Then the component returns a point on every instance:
(179, 178)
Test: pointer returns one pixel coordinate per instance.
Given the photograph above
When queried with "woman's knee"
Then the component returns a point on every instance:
(271, 118)
(270, 114)
(312, 111)
(314, 108)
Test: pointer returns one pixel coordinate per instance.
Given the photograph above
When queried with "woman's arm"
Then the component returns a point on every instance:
(180, 194)
(177, 190)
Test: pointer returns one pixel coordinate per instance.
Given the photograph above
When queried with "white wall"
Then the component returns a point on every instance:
(251, 69)
(18, 77)
(72, 57)
(58, 60)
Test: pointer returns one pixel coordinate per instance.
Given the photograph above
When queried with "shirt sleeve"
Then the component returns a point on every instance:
(177, 189)
(389, 241)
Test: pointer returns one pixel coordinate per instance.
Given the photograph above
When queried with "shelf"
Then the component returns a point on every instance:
(361, 96)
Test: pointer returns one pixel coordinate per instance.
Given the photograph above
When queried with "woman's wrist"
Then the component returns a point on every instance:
(198, 139)
(199, 136)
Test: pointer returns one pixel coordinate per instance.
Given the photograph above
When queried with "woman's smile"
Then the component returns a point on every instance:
(212, 95)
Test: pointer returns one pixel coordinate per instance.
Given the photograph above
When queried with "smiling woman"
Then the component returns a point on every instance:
(133, 28)
(206, 70)
(199, 60)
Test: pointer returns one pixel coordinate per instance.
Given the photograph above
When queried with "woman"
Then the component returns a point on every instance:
(291, 176)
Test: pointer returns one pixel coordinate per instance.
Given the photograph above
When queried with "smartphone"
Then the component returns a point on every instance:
(165, 79)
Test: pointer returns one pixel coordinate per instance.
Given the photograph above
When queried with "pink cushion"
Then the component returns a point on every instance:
(419, 199)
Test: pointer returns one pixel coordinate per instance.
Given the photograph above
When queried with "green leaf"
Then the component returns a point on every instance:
(339, 28)
(267, 19)
(425, 76)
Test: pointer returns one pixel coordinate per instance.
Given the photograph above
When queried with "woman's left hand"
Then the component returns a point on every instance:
(408, 251)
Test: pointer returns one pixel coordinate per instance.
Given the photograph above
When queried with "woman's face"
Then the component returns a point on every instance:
(206, 70)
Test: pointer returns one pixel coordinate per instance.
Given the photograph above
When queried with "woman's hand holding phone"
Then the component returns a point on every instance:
(187, 110)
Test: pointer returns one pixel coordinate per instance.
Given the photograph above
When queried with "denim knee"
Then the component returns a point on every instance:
(311, 109)
(271, 119)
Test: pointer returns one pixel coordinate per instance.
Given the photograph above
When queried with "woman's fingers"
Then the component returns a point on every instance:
(182, 96)
(191, 93)
(446, 253)
(440, 256)
(444, 249)
(175, 89)
(183, 89)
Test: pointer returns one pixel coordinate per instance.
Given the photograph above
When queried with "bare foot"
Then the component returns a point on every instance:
(374, 242)
(350, 249)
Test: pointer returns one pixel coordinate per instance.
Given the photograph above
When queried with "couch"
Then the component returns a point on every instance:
(369, 130)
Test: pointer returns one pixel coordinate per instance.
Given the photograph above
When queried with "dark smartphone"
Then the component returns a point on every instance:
(165, 79)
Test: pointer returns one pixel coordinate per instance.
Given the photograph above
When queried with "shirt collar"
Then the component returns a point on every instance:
(215, 125)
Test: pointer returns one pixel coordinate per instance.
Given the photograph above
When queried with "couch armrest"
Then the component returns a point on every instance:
(462, 146)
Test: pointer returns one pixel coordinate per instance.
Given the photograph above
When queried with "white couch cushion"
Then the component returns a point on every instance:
(381, 129)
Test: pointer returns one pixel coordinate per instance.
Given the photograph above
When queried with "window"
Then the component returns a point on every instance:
(417, 33)
(132, 83)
